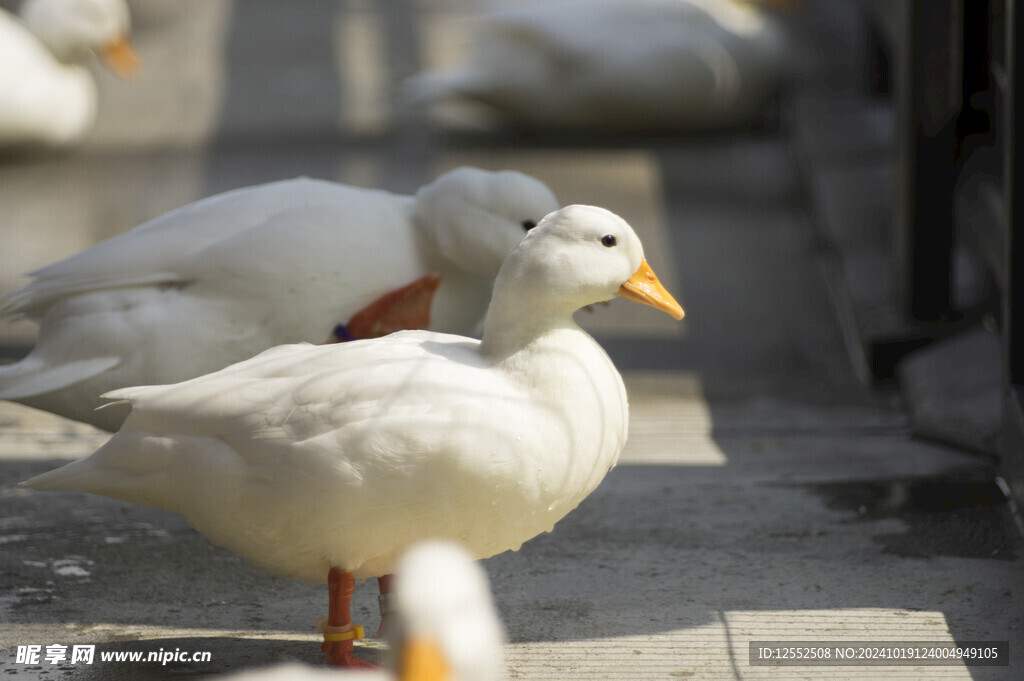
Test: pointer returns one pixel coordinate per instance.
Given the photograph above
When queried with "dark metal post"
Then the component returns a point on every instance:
(1013, 304)
(931, 66)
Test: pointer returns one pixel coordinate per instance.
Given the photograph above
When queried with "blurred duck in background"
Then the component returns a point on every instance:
(222, 279)
(618, 65)
(49, 96)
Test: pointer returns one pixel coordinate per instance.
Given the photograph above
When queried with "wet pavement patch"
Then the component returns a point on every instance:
(963, 517)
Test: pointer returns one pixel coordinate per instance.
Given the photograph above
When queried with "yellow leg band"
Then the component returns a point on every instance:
(357, 633)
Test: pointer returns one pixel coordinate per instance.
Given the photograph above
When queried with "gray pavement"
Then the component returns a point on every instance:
(765, 492)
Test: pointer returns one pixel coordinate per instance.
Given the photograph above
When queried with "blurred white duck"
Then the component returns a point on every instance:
(219, 280)
(49, 96)
(631, 66)
(446, 625)
(329, 461)
(446, 619)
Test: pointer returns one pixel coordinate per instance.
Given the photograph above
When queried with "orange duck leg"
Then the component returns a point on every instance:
(407, 307)
(339, 633)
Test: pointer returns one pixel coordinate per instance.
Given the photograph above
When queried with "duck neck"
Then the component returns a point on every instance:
(515, 321)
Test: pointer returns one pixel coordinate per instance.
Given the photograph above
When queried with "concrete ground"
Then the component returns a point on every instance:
(765, 493)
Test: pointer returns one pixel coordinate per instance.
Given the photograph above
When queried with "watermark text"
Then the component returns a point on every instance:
(58, 654)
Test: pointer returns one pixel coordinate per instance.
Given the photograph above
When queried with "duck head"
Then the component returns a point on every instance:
(71, 29)
(581, 255)
(447, 626)
(476, 217)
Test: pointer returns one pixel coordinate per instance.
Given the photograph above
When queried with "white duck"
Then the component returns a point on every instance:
(49, 96)
(446, 625)
(328, 461)
(219, 280)
(446, 619)
(633, 66)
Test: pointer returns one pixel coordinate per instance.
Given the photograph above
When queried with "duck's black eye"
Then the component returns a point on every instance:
(608, 240)
(528, 225)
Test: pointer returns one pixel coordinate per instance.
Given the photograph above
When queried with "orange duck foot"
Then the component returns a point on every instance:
(407, 307)
(340, 655)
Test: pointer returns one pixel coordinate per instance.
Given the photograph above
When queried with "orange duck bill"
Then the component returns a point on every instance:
(644, 287)
(121, 58)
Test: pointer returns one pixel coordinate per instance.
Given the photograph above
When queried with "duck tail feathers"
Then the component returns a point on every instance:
(32, 376)
(73, 477)
(124, 468)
